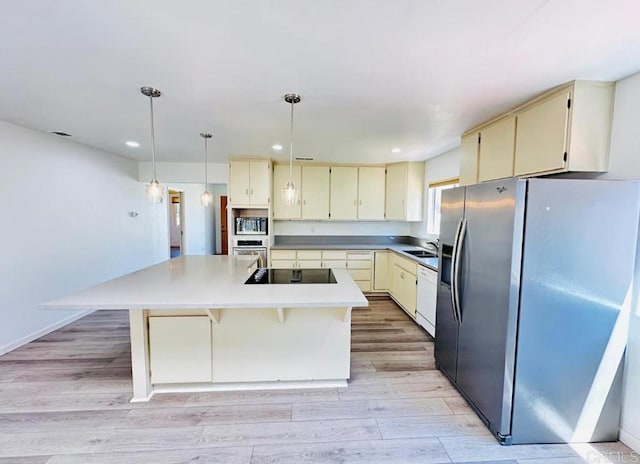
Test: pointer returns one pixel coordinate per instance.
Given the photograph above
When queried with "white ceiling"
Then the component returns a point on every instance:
(373, 74)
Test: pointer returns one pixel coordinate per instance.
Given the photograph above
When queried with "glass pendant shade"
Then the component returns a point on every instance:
(154, 191)
(206, 198)
(289, 191)
(289, 194)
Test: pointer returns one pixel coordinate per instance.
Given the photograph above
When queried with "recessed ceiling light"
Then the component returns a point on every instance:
(276, 147)
(133, 144)
(395, 151)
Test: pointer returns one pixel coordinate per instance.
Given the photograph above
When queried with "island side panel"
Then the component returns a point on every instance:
(294, 344)
(142, 388)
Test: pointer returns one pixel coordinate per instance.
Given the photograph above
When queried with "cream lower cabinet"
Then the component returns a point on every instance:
(381, 271)
(180, 349)
(359, 265)
(308, 259)
(403, 282)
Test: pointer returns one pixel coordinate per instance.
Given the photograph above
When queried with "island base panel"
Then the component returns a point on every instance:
(247, 349)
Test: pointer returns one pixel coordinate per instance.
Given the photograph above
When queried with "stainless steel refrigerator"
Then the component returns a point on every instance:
(533, 296)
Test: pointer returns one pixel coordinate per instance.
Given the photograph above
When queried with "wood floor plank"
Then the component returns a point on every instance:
(210, 415)
(433, 389)
(262, 397)
(422, 451)
(289, 432)
(369, 408)
(394, 377)
(431, 426)
(98, 441)
(458, 404)
(235, 455)
(485, 448)
(25, 460)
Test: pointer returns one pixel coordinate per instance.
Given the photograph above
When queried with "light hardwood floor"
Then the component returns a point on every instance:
(64, 399)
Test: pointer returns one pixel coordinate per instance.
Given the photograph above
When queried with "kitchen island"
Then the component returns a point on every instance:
(196, 326)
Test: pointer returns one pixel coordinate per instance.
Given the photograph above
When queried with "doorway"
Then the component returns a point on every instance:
(224, 246)
(175, 224)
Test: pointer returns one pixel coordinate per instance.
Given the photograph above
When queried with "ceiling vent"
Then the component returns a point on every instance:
(61, 134)
(302, 158)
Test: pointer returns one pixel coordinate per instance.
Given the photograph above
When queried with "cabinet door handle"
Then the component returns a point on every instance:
(360, 202)
(246, 191)
(251, 191)
(402, 275)
(304, 202)
(355, 202)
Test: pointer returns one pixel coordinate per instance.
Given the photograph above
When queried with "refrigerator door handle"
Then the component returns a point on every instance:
(454, 254)
(457, 252)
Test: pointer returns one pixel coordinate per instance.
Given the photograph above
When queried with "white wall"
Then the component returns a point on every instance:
(625, 164)
(65, 225)
(218, 173)
(199, 225)
(442, 167)
(340, 228)
(218, 190)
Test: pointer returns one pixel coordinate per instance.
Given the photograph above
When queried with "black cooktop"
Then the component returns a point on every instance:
(292, 276)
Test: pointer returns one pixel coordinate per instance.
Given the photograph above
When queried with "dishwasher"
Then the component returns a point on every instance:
(427, 294)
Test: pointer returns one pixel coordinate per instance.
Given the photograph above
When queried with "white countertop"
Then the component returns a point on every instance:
(398, 248)
(212, 282)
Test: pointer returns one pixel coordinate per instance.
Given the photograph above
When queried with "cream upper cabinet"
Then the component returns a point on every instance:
(249, 182)
(344, 193)
(404, 191)
(259, 186)
(497, 143)
(280, 179)
(568, 129)
(371, 193)
(239, 182)
(469, 158)
(315, 192)
(542, 136)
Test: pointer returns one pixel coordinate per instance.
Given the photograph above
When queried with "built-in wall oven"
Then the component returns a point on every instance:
(251, 246)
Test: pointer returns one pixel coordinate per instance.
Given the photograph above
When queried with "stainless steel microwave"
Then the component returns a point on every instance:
(251, 226)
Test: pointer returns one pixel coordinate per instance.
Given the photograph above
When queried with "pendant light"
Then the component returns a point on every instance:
(289, 191)
(153, 190)
(206, 198)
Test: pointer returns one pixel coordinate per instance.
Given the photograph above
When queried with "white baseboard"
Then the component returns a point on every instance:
(31, 337)
(631, 441)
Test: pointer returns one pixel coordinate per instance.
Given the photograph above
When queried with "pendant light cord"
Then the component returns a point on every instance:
(291, 145)
(153, 140)
(205, 164)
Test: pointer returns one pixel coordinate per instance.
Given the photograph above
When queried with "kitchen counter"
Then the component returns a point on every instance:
(431, 263)
(195, 326)
(191, 282)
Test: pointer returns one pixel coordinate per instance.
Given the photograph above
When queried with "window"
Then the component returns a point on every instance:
(433, 203)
